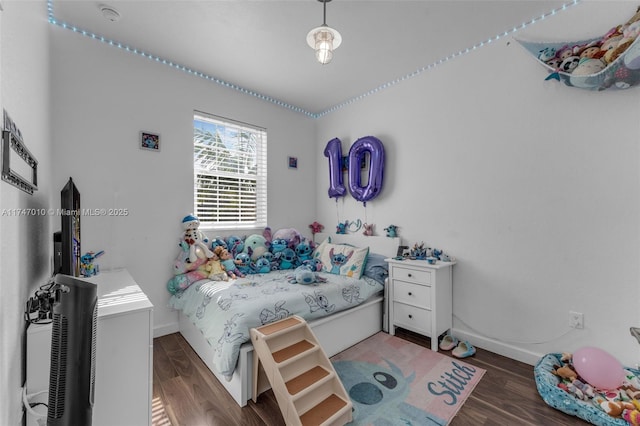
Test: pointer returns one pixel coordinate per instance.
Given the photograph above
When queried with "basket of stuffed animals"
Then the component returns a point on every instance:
(563, 389)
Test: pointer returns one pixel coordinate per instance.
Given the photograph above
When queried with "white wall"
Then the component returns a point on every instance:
(25, 241)
(103, 98)
(534, 187)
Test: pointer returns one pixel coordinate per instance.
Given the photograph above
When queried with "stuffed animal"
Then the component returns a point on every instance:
(195, 240)
(341, 228)
(286, 259)
(304, 250)
(392, 231)
(228, 262)
(262, 265)
(217, 241)
(313, 264)
(186, 272)
(278, 245)
(255, 245)
(235, 245)
(244, 264)
(215, 269)
(290, 234)
(304, 275)
(368, 229)
(588, 66)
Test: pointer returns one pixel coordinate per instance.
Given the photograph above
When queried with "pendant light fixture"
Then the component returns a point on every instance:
(324, 39)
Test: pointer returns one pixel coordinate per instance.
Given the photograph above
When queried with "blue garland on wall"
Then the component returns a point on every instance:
(286, 105)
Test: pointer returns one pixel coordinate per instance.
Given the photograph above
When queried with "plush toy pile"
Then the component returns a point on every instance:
(593, 56)
(221, 259)
(621, 403)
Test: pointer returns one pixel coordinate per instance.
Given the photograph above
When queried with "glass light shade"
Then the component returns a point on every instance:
(324, 40)
(324, 46)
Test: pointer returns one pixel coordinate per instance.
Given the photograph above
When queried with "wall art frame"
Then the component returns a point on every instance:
(149, 141)
(14, 150)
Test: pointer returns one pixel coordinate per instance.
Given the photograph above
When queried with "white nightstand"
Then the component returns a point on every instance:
(420, 297)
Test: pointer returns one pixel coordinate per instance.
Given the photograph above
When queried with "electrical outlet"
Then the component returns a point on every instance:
(576, 320)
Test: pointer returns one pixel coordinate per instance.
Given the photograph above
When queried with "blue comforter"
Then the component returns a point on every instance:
(226, 311)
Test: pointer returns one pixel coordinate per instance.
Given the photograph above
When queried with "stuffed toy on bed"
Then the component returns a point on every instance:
(228, 262)
(304, 275)
(255, 245)
(195, 240)
(186, 272)
(292, 236)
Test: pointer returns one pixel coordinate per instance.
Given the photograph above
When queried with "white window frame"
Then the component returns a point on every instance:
(214, 210)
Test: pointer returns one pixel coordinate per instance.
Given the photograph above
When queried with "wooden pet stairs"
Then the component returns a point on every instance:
(306, 386)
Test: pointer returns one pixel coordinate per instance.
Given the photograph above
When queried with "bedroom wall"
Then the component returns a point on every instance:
(25, 250)
(532, 185)
(103, 98)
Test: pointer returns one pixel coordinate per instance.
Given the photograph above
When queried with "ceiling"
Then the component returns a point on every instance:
(260, 45)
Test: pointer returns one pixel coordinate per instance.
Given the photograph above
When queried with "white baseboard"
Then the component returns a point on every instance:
(498, 347)
(163, 330)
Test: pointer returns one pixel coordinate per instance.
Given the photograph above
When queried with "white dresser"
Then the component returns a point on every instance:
(124, 353)
(420, 297)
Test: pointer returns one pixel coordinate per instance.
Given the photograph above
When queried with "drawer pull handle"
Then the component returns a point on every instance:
(410, 294)
(409, 275)
(410, 316)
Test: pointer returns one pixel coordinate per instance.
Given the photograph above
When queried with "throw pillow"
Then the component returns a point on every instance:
(342, 259)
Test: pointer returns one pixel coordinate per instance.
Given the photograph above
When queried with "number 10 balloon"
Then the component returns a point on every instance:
(357, 154)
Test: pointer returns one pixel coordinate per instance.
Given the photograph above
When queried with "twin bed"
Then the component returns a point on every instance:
(215, 317)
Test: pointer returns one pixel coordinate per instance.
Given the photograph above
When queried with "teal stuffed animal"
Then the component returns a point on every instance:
(304, 275)
(255, 246)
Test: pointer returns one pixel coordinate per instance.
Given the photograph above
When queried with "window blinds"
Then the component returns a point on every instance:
(230, 173)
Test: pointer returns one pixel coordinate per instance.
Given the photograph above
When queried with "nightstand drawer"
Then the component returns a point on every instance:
(419, 276)
(413, 318)
(412, 294)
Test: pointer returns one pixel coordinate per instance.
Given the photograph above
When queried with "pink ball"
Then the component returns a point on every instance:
(598, 368)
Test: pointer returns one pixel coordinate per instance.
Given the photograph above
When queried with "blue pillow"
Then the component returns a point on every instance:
(376, 268)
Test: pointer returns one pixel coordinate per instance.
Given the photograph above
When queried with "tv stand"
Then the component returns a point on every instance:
(124, 353)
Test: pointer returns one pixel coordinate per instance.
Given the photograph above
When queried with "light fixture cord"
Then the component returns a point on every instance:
(324, 17)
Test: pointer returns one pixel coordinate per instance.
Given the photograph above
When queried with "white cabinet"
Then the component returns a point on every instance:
(420, 297)
(124, 353)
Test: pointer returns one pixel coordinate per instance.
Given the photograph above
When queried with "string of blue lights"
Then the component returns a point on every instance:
(267, 98)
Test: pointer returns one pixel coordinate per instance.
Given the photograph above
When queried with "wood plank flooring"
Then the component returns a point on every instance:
(185, 393)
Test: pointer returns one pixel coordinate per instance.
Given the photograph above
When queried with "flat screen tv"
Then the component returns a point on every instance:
(70, 237)
(73, 350)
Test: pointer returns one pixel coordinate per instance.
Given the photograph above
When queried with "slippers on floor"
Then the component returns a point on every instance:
(448, 342)
(463, 350)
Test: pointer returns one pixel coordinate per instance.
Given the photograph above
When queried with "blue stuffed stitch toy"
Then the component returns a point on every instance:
(304, 275)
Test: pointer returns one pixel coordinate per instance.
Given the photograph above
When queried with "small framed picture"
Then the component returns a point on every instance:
(293, 162)
(150, 141)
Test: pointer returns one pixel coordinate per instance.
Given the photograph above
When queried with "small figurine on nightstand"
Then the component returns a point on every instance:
(391, 231)
(87, 267)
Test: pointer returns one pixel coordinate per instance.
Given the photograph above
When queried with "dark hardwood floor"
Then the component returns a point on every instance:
(186, 393)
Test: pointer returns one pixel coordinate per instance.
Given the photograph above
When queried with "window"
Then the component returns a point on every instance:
(229, 173)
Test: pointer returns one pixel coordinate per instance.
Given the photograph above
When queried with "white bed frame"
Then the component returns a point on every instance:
(335, 333)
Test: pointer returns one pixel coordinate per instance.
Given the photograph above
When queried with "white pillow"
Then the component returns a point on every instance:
(342, 259)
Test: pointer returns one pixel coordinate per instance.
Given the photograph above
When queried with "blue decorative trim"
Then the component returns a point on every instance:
(286, 105)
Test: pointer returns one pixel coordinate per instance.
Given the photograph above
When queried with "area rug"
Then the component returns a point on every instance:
(395, 382)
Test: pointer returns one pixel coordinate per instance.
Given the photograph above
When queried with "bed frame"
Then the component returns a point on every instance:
(335, 333)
